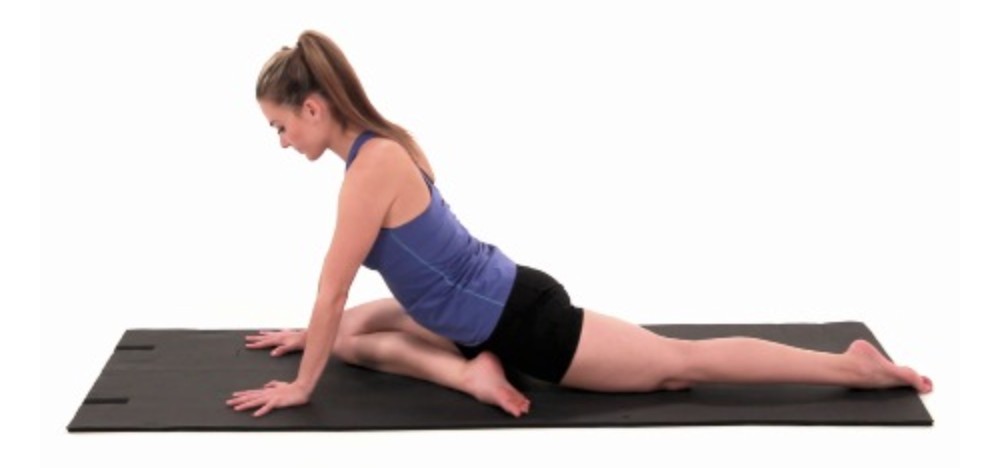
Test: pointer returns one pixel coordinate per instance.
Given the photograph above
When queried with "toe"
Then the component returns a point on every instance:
(513, 408)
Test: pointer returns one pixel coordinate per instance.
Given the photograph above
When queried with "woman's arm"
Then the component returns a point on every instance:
(364, 199)
(320, 336)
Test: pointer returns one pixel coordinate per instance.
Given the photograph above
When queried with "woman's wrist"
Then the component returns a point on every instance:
(305, 386)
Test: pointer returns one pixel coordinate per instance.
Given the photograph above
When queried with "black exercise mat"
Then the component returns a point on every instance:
(179, 380)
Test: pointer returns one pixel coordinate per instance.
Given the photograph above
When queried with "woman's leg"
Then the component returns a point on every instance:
(379, 335)
(614, 355)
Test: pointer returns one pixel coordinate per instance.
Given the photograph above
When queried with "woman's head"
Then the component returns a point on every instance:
(309, 91)
(312, 90)
(306, 127)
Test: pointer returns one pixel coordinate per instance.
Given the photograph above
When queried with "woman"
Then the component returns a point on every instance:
(462, 309)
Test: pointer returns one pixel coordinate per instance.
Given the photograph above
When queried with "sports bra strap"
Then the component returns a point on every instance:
(360, 140)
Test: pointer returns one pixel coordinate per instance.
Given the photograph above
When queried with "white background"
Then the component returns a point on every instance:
(706, 163)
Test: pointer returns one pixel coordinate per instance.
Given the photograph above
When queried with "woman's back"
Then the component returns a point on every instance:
(411, 193)
(448, 281)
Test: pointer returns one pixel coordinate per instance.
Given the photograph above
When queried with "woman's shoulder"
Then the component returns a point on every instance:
(390, 155)
(382, 153)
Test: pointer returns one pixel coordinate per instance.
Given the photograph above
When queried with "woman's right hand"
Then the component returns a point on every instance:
(282, 342)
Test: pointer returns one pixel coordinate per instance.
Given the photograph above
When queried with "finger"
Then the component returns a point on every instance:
(253, 403)
(260, 336)
(265, 409)
(250, 393)
(280, 350)
(241, 399)
(258, 339)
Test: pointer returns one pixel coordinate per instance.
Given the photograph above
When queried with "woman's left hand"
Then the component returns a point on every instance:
(273, 395)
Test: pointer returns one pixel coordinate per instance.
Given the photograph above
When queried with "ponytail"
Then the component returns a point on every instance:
(317, 65)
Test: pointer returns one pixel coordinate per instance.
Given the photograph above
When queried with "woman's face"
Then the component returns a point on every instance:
(306, 132)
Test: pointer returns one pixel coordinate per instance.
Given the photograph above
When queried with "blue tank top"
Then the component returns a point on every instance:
(447, 280)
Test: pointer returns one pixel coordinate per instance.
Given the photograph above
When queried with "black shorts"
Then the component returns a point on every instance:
(539, 329)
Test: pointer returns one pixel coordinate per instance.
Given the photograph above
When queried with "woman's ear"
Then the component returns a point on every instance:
(314, 106)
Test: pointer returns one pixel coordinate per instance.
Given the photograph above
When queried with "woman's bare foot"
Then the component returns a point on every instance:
(876, 371)
(484, 379)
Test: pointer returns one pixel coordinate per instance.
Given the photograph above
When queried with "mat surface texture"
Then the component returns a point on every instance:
(179, 379)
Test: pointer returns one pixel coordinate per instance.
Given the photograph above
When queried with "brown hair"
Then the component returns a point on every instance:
(317, 65)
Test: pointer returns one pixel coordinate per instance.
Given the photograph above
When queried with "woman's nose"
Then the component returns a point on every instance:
(283, 143)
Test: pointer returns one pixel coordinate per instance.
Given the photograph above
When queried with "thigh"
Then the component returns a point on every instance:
(615, 355)
(386, 315)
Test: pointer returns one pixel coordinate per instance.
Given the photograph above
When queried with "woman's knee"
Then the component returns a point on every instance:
(343, 348)
(671, 365)
(673, 369)
(352, 322)
(680, 371)
(370, 317)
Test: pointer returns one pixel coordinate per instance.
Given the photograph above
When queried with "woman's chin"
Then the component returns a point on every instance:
(310, 155)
